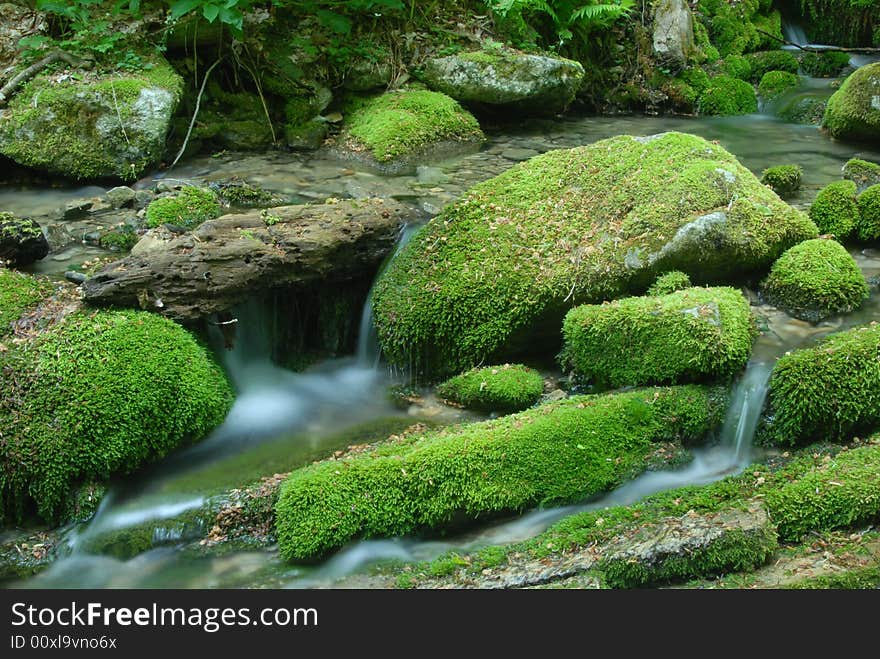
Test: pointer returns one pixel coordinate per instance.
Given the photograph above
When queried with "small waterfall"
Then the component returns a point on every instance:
(794, 33)
(744, 411)
(368, 352)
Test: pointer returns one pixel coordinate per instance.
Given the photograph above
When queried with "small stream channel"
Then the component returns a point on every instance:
(282, 420)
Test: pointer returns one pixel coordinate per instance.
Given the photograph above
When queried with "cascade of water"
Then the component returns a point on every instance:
(794, 33)
(368, 352)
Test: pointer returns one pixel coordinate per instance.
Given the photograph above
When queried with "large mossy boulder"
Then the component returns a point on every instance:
(97, 395)
(690, 335)
(109, 126)
(507, 80)
(868, 224)
(493, 275)
(814, 280)
(726, 96)
(827, 392)
(555, 453)
(397, 130)
(853, 111)
(835, 209)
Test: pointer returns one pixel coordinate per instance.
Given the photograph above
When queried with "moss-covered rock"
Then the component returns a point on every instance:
(307, 136)
(842, 492)
(827, 392)
(186, 208)
(507, 80)
(861, 172)
(804, 108)
(669, 282)
(730, 25)
(97, 395)
(692, 334)
(776, 83)
(824, 65)
(504, 389)
(835, 210)
(727, 96)
(558, 452)
(853, 111)
(868, 224)
(396, 129)
(111, 126)
(737, 66)
(496, 271)
(814, 280)
(18, 292)
(784, 179)
(21, 240)
(771, 60)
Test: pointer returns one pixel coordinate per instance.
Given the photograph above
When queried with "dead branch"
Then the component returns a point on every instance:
(823, 49)
(23, 76)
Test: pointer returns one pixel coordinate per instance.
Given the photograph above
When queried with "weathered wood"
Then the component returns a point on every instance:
(23, 76)
(227, 260)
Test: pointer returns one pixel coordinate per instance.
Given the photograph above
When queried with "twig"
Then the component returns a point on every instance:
(192, 121)
(823, 49)
(118, 114)
(34, 69)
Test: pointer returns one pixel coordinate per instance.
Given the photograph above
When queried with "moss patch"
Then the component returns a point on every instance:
(97, 395)
(401, 123)
(552, 454)
(868, 224)
(669, 283)
(726, 96)
(693, 334)
(18, 293)
(863, 173)
(814, 280)
(495, 272)
(831, 391)
(771, 60)
(824, 65)
(504, 389)
(776, 83)
(187, 208)
(835, 210)
(784, 179)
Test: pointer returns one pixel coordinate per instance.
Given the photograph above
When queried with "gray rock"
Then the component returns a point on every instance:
(225, 260)
(93, 128)
(530, 84)
(74, 276)
(74, 210)
(142, 199)
(365, 75)
(673, 32)
(308, 136)
(21, 240)
(516, 154)
(121, 196)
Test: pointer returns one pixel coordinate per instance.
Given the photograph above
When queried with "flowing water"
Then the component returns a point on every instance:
(281, 420)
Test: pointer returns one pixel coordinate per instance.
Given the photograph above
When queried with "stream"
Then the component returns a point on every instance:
(282, 420)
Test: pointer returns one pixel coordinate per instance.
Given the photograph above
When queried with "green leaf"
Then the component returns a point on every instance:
(210, 12)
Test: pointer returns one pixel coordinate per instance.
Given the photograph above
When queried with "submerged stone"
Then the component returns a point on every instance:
(493, 275)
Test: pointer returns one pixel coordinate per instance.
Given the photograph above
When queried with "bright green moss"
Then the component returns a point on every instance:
(843, 492)
(784, 179)
(504, 389)
(824, 65)
(694, 77)
(737, 66)
(692, 334)
(669, 283)
(558, 452)
(863, 173)
(835, 210)
(814, 280)
(726, 96)
(119, 239)
(827, 392)
(730, 25)
(853, 111)
(98, 395)
(776, 83)
(112, 127)
(503, 264)
(705, 50)
(187, 208)
(769, 29)
(18, 292)
(401, 123)
(865, 578)
(868, 224)
(771, 60)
